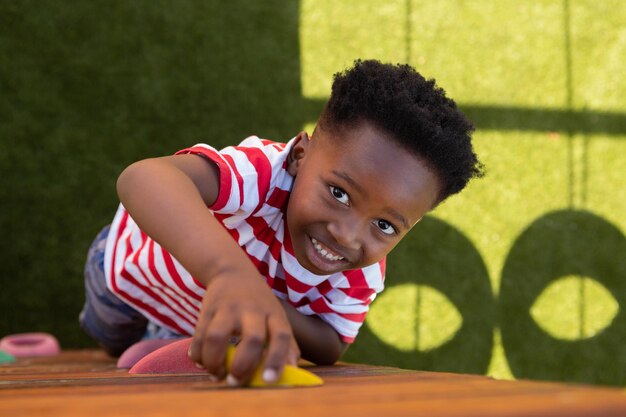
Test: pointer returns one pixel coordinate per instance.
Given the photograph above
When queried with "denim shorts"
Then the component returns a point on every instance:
(111, 322)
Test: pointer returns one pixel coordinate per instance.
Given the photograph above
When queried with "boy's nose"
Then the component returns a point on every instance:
(347, 233)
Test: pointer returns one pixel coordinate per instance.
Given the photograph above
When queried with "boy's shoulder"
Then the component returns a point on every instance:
(260, 154)
(264, 144)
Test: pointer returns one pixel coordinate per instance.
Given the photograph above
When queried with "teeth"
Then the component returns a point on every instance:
(325, 254)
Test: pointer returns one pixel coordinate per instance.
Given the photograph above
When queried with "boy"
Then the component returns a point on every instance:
(281, 246)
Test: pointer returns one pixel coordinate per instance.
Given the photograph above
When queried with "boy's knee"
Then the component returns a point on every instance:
(113, 337)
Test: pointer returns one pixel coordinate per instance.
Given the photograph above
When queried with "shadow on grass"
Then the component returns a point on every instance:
(559, 244)
(439, 256)
(588, 122)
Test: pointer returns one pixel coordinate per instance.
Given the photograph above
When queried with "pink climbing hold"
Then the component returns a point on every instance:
(169, 359)
(139, 350)
(23, 345)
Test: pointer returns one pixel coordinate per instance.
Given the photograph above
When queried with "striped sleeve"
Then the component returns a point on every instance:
(345, 304)
(245, 175)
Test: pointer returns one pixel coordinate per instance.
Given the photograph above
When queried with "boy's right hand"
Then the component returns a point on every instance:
(245, 307)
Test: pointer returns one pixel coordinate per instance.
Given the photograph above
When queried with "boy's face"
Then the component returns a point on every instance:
(356, 194)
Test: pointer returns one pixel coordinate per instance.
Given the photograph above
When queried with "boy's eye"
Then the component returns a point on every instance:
(385, 227)
(339, 194)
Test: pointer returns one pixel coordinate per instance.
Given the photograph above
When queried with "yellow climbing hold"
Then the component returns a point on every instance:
(292, 375)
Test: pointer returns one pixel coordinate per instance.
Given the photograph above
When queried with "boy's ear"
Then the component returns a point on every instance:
(298, 150)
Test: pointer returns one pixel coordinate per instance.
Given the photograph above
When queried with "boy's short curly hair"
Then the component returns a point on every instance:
(416, 112)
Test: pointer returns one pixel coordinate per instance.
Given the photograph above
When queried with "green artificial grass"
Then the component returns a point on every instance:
(520, 276)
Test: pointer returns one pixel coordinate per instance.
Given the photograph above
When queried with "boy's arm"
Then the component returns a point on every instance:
(318, 341)
(168, 198)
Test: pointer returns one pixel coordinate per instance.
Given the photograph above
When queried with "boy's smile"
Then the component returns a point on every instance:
(356, 194)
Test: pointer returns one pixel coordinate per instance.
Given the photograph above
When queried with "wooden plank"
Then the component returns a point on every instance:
(87, 384)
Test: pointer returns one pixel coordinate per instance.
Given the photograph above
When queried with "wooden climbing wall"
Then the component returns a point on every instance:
(87, 384)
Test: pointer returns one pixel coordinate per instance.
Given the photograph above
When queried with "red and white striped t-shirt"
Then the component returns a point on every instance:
(253, 195)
